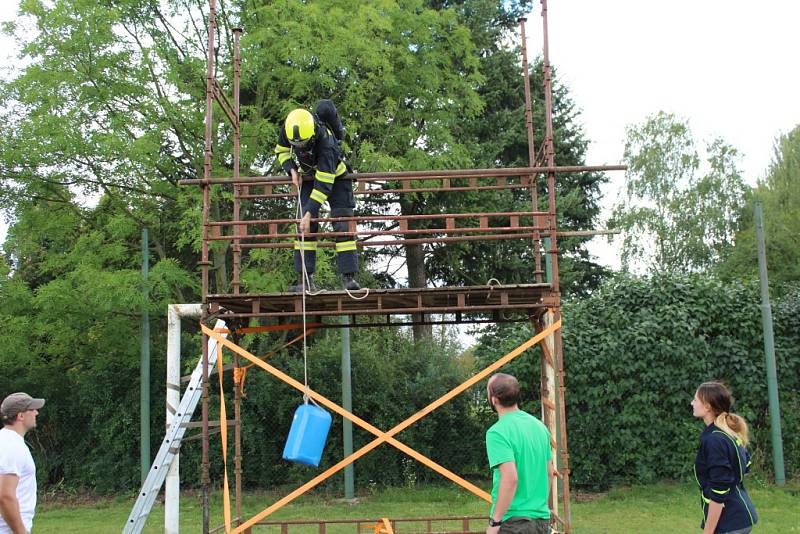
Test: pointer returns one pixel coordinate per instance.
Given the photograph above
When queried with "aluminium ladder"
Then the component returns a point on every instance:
(171, 444)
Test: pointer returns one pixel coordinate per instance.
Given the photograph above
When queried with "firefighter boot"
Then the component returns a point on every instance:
(349, 282)
(311, 287)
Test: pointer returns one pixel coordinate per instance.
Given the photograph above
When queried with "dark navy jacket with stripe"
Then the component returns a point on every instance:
(323, 155)
(719, 469)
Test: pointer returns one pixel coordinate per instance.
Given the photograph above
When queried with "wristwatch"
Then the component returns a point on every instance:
(493, 523)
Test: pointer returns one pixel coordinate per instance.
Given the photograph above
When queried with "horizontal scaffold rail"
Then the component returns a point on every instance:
(513, 229)
(423, 241)
(384, 177)
(494, 230)
(377, 218)
(474, 524)
(397, 242)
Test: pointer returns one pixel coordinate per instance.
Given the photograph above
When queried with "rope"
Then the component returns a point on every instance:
(304, 283)
(491, 286)
(366, 294)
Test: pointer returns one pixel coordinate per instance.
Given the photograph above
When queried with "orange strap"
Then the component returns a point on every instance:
(383, 526)
(239, 374)
(223, 430)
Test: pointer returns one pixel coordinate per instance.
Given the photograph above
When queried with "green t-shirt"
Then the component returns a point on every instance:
(521, 438)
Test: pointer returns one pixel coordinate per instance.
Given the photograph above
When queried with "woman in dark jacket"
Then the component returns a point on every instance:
(721, 463)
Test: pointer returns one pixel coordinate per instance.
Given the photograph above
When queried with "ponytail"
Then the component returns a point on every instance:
(734, 425)
(720, 400)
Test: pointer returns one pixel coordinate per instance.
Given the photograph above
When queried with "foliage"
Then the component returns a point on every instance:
(90, 115)
(636, 349)
(397, 77)
(779, 194)
(71, 332)
(676, 215)
(496, 137)
(654, 365)
(390, 383)
(501, 140)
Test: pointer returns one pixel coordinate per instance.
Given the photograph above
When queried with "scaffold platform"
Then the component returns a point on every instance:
(471, 304)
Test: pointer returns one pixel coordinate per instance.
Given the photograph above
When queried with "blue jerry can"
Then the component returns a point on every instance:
(307, 436)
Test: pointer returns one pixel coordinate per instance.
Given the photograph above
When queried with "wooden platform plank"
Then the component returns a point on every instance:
(519, 298)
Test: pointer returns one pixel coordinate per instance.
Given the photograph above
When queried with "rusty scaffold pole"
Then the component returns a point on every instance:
(537, 257)
(237, 262)
(555, 341)
(237, 134)
(231, 111)
(204, 260)
(547, 368)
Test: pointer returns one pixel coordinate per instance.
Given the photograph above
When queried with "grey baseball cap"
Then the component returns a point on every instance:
(19, 402)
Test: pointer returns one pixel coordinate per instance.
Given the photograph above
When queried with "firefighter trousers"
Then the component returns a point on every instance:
(342, 203)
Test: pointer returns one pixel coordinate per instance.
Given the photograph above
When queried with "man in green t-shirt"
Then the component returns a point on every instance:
(518, 447)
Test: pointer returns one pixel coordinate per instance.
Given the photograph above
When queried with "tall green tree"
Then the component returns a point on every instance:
(402, 75)
(779, 194)
(108, 104)
(496, 137)
(501, 141)
(70, 320)
(105, 116)
(678, 212)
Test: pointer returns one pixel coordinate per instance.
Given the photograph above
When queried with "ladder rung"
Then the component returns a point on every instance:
(170, 446)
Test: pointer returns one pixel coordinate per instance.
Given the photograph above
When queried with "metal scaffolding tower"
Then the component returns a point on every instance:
(538, 301)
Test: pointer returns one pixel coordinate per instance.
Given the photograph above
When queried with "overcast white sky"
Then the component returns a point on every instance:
(728, 66)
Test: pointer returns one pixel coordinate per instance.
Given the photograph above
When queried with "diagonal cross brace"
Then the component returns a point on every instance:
(381, 437)
(360, 422)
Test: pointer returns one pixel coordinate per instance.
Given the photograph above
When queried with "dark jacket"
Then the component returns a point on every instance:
(719, 469)
(323, 156)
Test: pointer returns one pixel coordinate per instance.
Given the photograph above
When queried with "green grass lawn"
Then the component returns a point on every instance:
(663, 508)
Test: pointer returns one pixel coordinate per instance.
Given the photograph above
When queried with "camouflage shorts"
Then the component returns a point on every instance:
(525, 525)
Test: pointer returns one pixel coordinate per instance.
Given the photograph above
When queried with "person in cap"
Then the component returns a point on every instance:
(313, 140)
(17, 470)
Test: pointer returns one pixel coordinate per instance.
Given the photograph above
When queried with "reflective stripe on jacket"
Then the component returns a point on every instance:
(719, 468)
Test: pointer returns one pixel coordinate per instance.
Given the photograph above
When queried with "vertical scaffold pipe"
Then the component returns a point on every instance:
(237, 189)
(205, 479)
(347, 404)
(548, 394)
(207, 152)
(537, 256)
(144, 371)
(212, 28)
(558, 353)
(172, 483)
(237, 433)
(769, 353)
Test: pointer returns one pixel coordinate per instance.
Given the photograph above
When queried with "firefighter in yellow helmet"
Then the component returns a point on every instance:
(310, 143)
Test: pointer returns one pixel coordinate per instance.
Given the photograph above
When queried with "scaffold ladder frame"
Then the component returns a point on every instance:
(171, 444)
